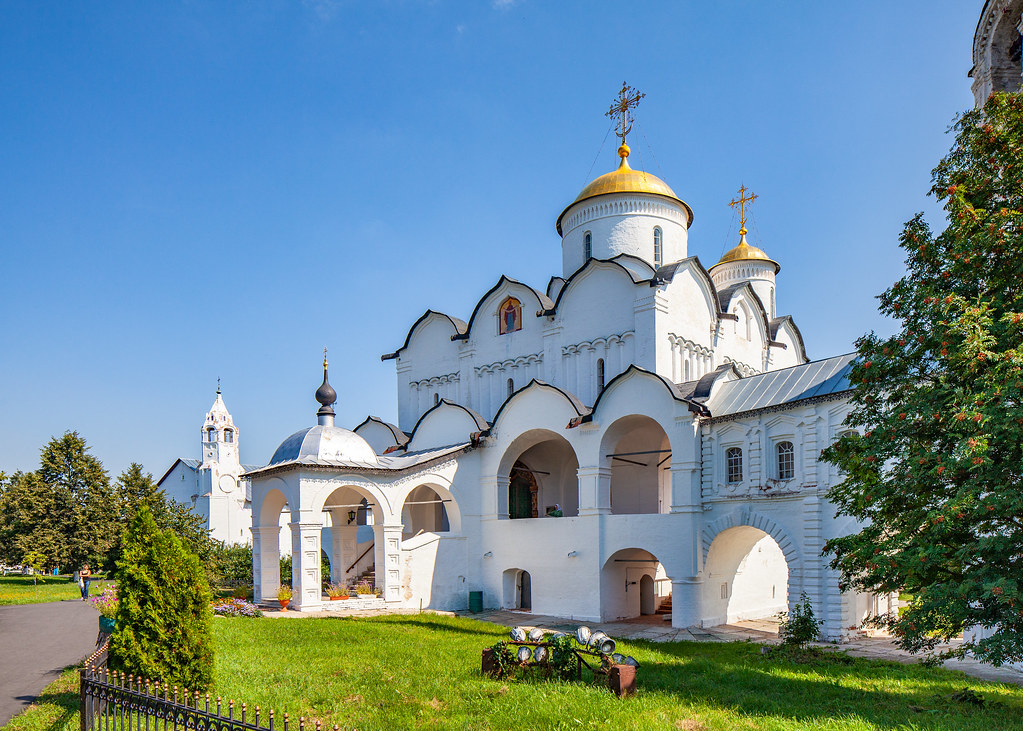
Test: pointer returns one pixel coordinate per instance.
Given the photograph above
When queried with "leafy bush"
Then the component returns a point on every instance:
(286, 570)
(163, 609)
(230, 566)
(799, 627)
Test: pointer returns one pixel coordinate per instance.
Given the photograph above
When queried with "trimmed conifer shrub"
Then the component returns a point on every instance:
(163, 611)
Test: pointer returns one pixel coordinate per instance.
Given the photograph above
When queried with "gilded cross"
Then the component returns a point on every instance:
(628, 99)
(742, 201)
(324, 357)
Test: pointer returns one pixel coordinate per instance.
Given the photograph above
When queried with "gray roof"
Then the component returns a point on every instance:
(193, 463)
(785, 386)
(384, 463)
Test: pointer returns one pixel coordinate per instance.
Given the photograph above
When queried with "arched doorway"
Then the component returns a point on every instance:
(633, 583)
(746, 577)
(518, 590)
(638, 453)
(543, 479)
(352, 516)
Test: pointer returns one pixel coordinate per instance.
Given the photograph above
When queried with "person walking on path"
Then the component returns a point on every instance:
(83, 581)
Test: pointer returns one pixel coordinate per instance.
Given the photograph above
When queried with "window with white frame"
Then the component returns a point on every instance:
(733, 464)
(786, 460)
(658, 246)
(587, 246)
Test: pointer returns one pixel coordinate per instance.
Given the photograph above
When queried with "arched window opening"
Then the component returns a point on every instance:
(229, 436)
(786, 461)
(733, 464)
(511, 386)
(657, 247)
(772, 304)
(638, 453)
(600, 375)
(688, 375)
(436, 398)
(509, 316)
(587, 246)
(423, 512)
(211, 435)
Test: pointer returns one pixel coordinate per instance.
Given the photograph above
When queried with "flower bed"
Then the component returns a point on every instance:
(235, 608)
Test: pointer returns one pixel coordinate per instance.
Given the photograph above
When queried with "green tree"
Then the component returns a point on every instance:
(936, 478)
(28, 520)
(84, 510)
(163, 611)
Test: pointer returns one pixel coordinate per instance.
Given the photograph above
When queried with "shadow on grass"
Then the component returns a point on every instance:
(62, 697)
(735, 677)
(431, 622)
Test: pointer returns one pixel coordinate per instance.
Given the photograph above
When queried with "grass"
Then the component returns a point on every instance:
(55, 710)
(21, 590)
(422, 672)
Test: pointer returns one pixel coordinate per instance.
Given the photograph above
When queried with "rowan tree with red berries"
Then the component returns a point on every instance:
(935, 472)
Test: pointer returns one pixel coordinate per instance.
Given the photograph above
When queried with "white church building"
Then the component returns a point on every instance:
(642, 433)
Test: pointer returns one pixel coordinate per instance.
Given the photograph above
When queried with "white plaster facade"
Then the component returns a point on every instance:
(615, 396)
(997, 49)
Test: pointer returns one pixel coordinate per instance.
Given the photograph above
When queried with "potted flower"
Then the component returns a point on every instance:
(284, 595)
(363, 589)
(337, 591)
(106, 603)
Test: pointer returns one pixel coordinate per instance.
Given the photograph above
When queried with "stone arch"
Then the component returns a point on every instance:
(637, 451)
(551, 461)
(622, 583)
(746, 576)
(748, 517)
(449, 505)
(517, 589)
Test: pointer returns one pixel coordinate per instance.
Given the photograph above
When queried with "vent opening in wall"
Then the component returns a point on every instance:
(724, 590)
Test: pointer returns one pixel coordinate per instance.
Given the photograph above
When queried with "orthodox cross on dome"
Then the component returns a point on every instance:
(324, 357)
(218, 384)
(742, 202)
(620, 111)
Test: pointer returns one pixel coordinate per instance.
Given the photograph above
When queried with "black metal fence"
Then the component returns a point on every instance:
(112, 700)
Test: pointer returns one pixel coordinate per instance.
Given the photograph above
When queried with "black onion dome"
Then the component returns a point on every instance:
(325, 394)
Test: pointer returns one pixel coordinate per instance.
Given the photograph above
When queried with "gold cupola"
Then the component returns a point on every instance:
(746, 252)
(626, 180)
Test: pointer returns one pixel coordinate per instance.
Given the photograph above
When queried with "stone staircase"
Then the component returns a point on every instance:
(368, 576)
(665, 606)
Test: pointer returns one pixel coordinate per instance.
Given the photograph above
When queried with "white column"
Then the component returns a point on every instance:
(305, 560)
(388, 560)
(594, 490)
(266, 562)
(686, 597)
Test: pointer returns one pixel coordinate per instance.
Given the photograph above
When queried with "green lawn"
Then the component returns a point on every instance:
(422, 672)
(55, 710)
(21, 590)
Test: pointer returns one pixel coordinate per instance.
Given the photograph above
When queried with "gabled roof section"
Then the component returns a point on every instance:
(481, 423)
(573, 400)
(633, 370)
(726, 295)
(818, 379)
(641, 269)
(618, 261)
(457, 325)
(776, 324)
(554, 285)
(704, 387)
(192, 464)
(386, 463)
(542, 301)
(400, 437)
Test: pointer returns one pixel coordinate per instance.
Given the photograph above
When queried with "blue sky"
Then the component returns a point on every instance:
(195, 190)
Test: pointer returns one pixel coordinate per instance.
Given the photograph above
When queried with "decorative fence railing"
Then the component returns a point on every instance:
(113, 701)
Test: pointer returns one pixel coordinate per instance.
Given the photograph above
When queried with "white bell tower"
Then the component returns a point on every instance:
(221, 492)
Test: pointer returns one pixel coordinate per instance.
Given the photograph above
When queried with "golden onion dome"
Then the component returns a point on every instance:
(627, 180)
(745, 252)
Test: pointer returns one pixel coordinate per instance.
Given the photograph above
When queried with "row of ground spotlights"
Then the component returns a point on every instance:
(597, 642)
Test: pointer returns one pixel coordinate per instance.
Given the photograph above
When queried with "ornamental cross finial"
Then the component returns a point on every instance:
(218, 384)
(742, 201)
(324, 357)
(628, 99)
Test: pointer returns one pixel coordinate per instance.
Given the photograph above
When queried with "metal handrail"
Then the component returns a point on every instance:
(360, 558)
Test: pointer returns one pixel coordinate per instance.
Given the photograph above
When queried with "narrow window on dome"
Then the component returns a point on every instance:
(657, 247)
(786, 461)
(587, 246)
(733, 464)
(687, 370)
(511, 386)
(600, 375)
(772, 304)
(509, 316)
(436, 399)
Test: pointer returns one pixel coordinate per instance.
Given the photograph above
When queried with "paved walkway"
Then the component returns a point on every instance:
(655, 629)
(37, 641)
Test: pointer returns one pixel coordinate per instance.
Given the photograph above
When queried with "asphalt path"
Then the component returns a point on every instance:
(37, 641)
